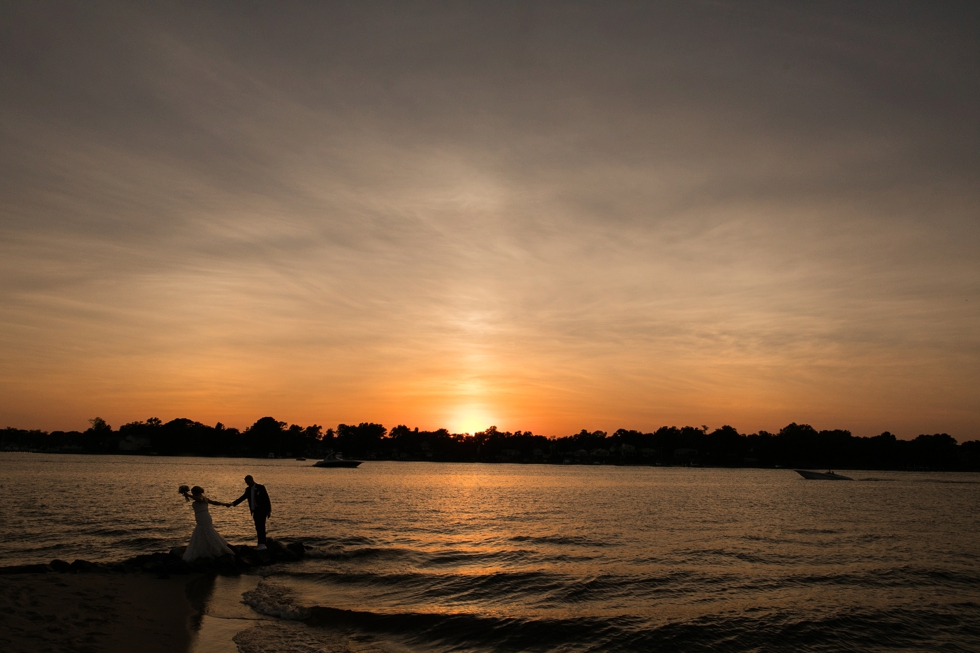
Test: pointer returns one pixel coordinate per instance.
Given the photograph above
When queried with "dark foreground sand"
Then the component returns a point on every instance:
(94, 612)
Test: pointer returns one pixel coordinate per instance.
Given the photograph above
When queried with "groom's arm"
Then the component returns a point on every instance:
(240, 499)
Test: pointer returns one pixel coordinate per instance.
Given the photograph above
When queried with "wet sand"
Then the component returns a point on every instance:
(94, 612)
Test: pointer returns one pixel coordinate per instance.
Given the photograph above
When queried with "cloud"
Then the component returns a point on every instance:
(623, 215)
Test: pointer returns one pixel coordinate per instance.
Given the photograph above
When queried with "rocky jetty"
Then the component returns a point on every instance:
(166, 564)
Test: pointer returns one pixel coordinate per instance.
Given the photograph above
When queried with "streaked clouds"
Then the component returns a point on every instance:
(546, 216)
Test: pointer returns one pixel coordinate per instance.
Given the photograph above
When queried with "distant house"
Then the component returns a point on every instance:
(134, 444)
(685, 456)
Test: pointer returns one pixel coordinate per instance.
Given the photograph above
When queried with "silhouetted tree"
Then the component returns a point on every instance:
(362, 440)
(937, 451)
(724, 447)
(264, 437)
(795, 445)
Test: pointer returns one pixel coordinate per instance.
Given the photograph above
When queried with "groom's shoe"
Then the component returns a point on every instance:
(261, 547)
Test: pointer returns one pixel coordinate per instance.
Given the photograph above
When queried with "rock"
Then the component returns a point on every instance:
(177, 566)
(25, 569)
(247, 557)
(274, 547)
(171, 562)
(279, 553)
(286, 556)
(142, 560)
(202, 565)
(225, 565)
(60, 566)
(83, 566)
(154, 567)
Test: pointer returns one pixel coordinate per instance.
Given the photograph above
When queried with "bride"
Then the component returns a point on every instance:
(205, 541)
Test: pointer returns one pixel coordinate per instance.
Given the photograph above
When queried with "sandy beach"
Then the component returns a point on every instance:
(94, 612)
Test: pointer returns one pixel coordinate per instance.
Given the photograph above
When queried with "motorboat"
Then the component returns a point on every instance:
(336, 460)
(822, 476)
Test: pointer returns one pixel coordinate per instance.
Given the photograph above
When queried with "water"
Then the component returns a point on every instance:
(450, 557)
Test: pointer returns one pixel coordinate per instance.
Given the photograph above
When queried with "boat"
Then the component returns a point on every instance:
(336, 460)
(822, 476)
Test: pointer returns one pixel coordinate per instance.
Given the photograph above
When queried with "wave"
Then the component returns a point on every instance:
(537, 588)
(546, 589)
(816, 531)
(938, 481)
(367, 552)
(547, 585)
(486, 587)
(563, 540)
(845, 629)
(142, 543)
(442, 558)
(734, 556)
(871, 579)
(946, 481)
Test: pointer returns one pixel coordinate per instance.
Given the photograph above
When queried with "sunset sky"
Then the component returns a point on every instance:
(541, 216)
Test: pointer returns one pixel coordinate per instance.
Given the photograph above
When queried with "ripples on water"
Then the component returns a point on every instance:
(439, 557)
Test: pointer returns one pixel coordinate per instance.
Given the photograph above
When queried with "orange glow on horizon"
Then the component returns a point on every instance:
(470, 419)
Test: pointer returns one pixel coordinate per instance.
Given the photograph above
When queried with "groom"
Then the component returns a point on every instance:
(259, 505)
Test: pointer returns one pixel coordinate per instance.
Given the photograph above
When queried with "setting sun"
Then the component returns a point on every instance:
(470, 419)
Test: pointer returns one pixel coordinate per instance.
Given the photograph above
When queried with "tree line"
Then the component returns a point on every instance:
(796, 445)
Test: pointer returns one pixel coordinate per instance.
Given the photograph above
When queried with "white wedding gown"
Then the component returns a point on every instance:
(205, 541)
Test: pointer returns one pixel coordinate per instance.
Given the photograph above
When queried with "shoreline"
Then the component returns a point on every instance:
(154, 603)
(164, 565)
(114, 613)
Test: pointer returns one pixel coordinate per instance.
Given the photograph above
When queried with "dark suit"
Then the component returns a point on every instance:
(259, 505)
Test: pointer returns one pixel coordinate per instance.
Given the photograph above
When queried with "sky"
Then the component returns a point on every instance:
(538, 216)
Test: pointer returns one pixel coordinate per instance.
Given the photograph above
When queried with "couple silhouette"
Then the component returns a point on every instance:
(205, 541)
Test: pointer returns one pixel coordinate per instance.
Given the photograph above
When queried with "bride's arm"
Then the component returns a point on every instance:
(218, 503)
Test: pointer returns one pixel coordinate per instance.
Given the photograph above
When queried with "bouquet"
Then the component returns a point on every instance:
(183, 489)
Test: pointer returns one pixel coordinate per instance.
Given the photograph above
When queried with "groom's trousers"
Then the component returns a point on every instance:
(260, 527)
